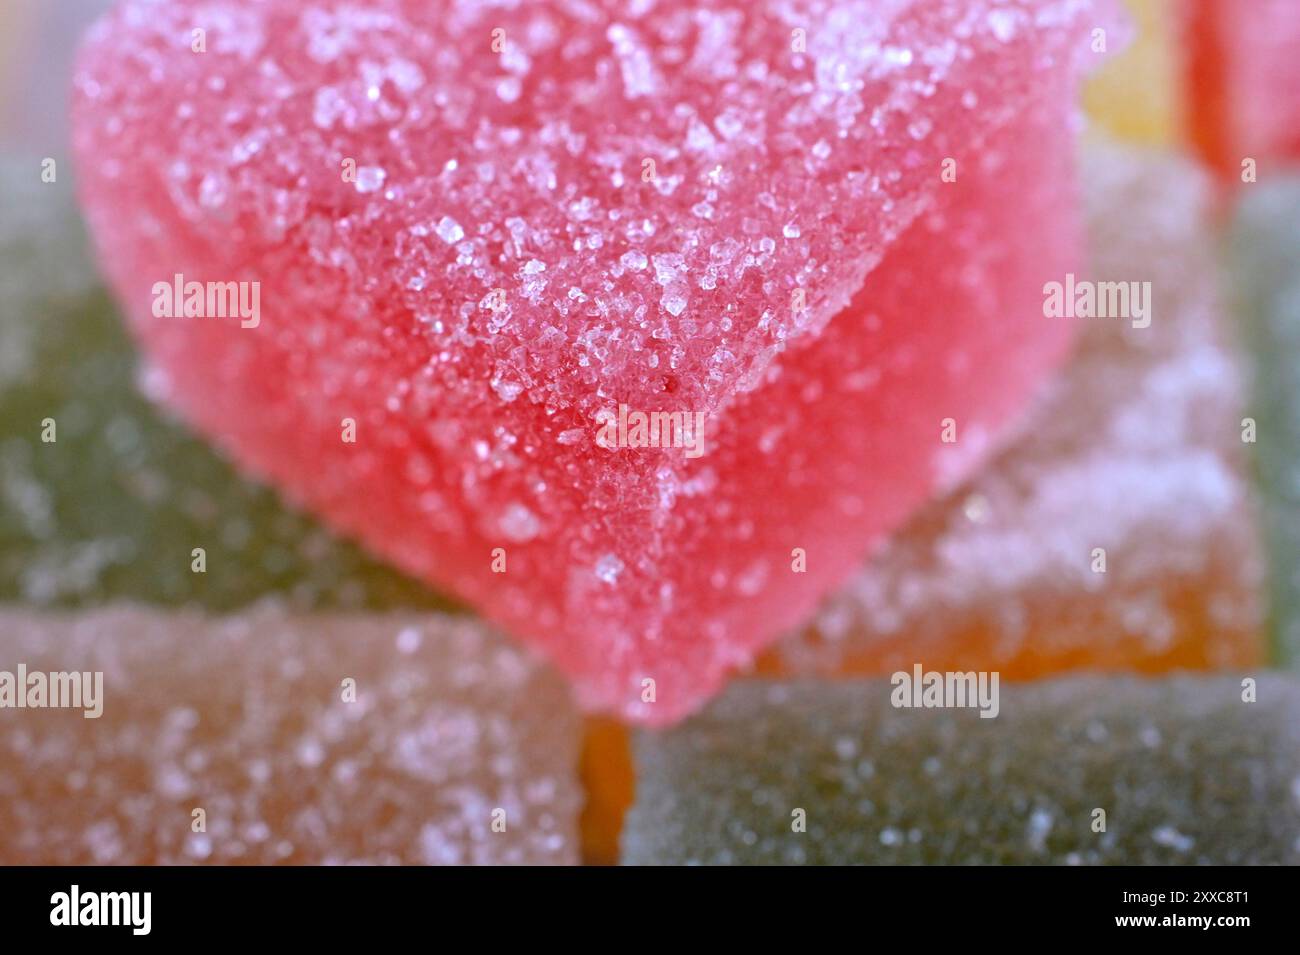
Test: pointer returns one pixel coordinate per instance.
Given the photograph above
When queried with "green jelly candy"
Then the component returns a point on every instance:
(1088, 770)
(1265, 256)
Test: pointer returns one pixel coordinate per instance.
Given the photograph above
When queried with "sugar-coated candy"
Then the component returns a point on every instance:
(1087, 770)
(453, 242)
(1118, 531)
(266, 737)
(102, 496)
(1136, 449)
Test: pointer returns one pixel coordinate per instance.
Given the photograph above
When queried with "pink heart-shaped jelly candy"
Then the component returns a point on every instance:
(462, 239)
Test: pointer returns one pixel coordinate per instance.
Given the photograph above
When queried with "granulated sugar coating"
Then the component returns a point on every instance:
(1183, 772)
(1118, 531)
(478, 229)
(456, 747)
(112, 507)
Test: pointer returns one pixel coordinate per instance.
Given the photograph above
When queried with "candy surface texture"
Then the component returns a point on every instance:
(462, 236)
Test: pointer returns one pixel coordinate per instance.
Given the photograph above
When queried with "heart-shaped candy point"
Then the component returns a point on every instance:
(633, 324)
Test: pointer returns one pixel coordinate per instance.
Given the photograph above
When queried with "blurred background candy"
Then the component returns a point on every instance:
(1242, 66)
(1137, 95)
(324, 739)
(1118, 531)
(1078, 771)
(1265, 259)
(38, 40)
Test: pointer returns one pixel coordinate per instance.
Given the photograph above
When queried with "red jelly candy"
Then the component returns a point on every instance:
(489, 244)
